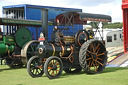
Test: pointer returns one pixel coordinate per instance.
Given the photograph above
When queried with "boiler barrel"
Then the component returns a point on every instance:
(48, 50)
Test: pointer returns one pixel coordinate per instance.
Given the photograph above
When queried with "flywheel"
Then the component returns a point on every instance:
(80, 37)
(22, 36)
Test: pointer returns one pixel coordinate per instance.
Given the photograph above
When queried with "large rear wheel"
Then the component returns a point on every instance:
(93, 56)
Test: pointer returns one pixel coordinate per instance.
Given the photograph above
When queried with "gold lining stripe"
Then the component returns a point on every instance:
(62, 50)
(6, 47)
(53, 49)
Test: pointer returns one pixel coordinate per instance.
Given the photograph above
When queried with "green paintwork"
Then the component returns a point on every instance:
(7, 45)
(8, 39)
(22, 36)
(9, 21)
(6, 48)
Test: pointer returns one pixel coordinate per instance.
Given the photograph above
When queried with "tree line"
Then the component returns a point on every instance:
(108, 25)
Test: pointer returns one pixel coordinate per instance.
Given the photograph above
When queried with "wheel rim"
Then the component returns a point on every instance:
(53, 67)
(36, 68)
(95, 57)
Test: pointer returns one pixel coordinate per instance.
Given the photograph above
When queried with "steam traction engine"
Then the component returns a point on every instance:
(16, 42)
(70, 53)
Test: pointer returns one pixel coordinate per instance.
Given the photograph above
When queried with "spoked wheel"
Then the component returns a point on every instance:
(93, 56)
(81, 37)
(73, 70)
(53, 67)
(35, 67)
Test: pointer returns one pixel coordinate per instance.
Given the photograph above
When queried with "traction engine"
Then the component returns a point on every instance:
(68, 53)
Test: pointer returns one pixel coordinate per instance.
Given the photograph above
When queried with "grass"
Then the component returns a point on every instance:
(110, 76)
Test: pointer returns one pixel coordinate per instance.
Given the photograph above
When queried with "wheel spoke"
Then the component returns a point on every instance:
(97, 47)
(98, 50)
(92, 47)
(53, 73)
(40, 67)
(50, 68)
(36, 71)
(100, 54)
(99, 58)
(95, 67)
(91, 64)
(49, 65)
(88, 59)
(58, 67)
(99, 62)
(57, 71)
(52, 62)
(87, 54)
(49, 71)
(32, 48)
(89, 51)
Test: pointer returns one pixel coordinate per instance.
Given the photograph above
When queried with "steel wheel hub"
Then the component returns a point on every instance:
(54, 67)
(94, 56)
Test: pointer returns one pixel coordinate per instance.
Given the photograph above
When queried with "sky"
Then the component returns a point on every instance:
(107, 7)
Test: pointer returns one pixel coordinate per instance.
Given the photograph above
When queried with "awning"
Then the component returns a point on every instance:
(82, 18)
(21, 22)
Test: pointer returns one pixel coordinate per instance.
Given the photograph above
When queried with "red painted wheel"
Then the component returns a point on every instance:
(53, 67)
(93, 56)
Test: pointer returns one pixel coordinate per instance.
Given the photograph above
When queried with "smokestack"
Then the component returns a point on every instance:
(44, 18)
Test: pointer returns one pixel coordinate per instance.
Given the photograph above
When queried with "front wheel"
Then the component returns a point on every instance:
(53, 67)
(35, 67)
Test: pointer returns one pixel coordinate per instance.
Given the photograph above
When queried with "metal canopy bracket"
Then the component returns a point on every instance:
(81, 18)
